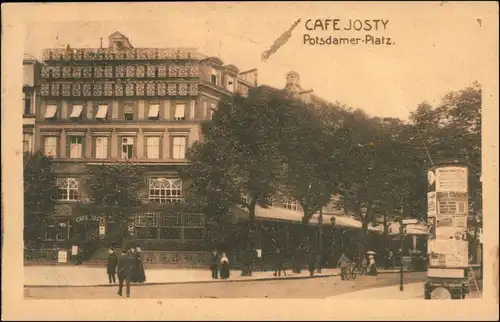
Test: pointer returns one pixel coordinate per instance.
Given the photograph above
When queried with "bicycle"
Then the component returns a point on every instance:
(351, 271)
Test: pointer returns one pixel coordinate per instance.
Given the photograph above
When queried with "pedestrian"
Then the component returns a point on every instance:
(260, 261)
(372, 270)
(139, 266)
(391, 258)
(125, 271)
(343, 262)
(215, 264)
(111, 266)
(311, 261)
(224, 267)
(364, 266)
(279, 263)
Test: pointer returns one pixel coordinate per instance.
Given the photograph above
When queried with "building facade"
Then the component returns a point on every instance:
(144, 105)
(31, 68)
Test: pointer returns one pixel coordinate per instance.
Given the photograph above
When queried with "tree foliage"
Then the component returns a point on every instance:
(40, 193)
(115, 186)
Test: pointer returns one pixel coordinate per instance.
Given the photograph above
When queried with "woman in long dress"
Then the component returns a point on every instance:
(372, 270)
(140, 276)
(224, 267)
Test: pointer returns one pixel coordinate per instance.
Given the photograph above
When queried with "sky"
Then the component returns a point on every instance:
(437, 47)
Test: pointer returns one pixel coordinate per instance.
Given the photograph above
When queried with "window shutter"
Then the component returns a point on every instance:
(134, 149)
(94, 147)
(84, 144)
(68, 147)
(145, 142)
(160, 148)
(171, 148)
(42, 144)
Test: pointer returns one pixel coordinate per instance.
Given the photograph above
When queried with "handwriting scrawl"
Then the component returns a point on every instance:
(279, 42)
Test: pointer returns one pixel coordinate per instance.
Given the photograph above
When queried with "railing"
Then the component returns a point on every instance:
(39, 255)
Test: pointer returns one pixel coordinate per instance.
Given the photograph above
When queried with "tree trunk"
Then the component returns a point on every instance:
(248, 246)
(362, 245)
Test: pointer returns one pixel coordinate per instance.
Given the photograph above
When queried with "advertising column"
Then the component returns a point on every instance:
(447, 223)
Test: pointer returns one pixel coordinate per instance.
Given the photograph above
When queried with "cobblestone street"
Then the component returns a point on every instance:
(293, 288)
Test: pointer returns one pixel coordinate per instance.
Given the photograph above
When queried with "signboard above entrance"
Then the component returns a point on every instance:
(90, 218)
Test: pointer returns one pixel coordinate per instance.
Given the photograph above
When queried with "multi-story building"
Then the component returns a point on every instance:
(144, 105)
(31, 68)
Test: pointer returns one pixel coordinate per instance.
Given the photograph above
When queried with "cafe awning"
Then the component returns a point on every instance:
(291, 216)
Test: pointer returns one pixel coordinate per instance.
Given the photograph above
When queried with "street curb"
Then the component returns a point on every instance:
(188, 282)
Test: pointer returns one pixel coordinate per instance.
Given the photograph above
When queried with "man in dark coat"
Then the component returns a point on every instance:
(111, 266)
(215, 264)
(125, 271)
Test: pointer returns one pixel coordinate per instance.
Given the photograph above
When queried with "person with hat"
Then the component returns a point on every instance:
(111, 265)
(125, 271)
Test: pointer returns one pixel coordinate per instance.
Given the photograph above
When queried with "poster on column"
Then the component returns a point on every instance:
(448, 253)
(451, 178)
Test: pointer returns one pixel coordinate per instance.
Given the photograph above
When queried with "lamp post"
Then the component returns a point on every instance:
(320, 220)
(401, 233)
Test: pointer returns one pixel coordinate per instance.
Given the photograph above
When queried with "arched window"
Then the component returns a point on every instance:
(162, 190)
(68, 188)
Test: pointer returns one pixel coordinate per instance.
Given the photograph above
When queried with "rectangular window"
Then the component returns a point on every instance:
(27, 104)
(153, 147)
(61, 231)
(129, 112)
(193, 225)
(147, 226)
(49, 232)
(163, 190)
(291, 204)
(127, 148)
(230, 83)
(101, 147)
(75, 147)
(154, 110)
(76, 112)
(50, 111)
(50, 146)
(27, 143)
(180, 112)
(179, 147)
(68, 189)
(171, 226)
(102, 111)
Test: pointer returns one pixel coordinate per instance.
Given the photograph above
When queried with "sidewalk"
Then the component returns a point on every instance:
(411, 291)
(68, 275)
(93, 276)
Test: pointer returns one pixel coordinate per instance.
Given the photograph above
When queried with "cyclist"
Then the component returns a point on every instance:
(343, 263)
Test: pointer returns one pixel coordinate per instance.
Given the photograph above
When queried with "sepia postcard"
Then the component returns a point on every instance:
(250, 161)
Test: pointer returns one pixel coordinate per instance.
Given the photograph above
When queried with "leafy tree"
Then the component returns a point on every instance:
(309, 154)
(240, 155)
(377, 175)
(452, 131)
(40, 193)
(113, 190)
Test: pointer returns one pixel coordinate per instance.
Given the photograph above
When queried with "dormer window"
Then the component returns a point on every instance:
(213, 77)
